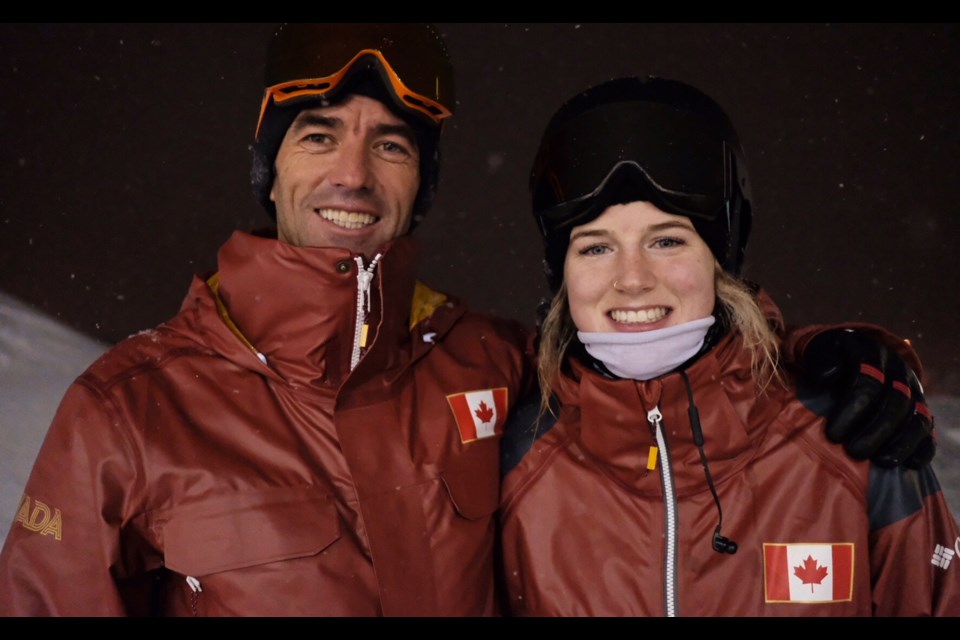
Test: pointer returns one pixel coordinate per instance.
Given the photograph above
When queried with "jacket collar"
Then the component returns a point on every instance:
(614, 430)
(296, 307)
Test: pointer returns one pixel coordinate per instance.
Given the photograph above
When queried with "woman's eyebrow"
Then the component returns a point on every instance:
(672, 224)
(588, 233)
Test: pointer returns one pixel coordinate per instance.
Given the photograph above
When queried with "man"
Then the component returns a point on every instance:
(312, 434)
(315, 433)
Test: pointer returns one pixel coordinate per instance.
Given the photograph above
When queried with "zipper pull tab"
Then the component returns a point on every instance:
(654, 417)
(364, 280)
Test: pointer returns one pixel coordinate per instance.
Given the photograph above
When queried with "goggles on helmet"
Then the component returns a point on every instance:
(313, 60)
(679, 159)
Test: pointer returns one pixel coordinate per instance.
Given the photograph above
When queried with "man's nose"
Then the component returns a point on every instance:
(351, 170)
(634, 273)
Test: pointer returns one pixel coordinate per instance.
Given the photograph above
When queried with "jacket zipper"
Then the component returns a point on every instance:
(364, 278)
(655, 418)
(195, 590)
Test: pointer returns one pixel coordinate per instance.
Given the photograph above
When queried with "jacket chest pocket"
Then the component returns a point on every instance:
(472, 479)
(249, 529)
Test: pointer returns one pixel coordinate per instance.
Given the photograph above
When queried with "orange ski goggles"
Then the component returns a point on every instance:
(410, 60)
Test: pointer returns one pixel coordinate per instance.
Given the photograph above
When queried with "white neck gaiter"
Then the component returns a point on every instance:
(647, 354)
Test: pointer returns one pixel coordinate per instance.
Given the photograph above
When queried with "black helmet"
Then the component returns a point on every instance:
(653, 139)
(404, 65)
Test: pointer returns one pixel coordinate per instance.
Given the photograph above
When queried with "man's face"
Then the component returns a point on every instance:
(346, 176)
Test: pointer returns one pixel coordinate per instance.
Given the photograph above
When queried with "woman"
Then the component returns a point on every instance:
(674, 466)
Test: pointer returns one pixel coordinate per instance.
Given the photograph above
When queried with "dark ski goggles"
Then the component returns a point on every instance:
(312, 60)
(678, 158)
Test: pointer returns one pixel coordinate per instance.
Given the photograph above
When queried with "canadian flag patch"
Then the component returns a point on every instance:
(479, 414)
(808, 572)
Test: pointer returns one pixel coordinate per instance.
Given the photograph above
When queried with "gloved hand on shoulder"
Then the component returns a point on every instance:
(879, 409)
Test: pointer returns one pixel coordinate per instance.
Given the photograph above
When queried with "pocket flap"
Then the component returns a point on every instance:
(244, 530)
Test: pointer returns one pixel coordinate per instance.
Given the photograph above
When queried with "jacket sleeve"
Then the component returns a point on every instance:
(63, 554)
(914, 545)
(797, 337)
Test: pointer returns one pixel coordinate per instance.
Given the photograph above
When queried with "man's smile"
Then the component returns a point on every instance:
(347, 219)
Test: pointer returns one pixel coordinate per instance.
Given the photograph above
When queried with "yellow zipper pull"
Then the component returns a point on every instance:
(364, 330)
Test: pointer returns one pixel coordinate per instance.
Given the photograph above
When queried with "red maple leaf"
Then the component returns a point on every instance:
(485, 413)
(811, 572)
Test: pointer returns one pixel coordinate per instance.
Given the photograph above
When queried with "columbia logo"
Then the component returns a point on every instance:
(942, 556)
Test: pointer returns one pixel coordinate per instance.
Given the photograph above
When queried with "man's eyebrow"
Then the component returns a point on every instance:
(403, 130)
(316, 120)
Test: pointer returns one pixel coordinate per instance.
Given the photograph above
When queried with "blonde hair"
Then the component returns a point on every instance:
(746, 317)
(557, 333)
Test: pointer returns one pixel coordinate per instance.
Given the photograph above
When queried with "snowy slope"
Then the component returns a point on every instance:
(946, 413)
(39, 358)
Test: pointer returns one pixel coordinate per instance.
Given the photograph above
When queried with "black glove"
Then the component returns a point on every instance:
(879, 411)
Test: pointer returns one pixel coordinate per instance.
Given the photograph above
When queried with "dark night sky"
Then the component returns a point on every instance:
(125, 160)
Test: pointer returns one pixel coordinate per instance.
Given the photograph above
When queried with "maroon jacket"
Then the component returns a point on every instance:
(595, 523)
(235, 447)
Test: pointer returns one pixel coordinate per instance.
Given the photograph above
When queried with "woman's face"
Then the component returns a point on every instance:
(637, 268)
